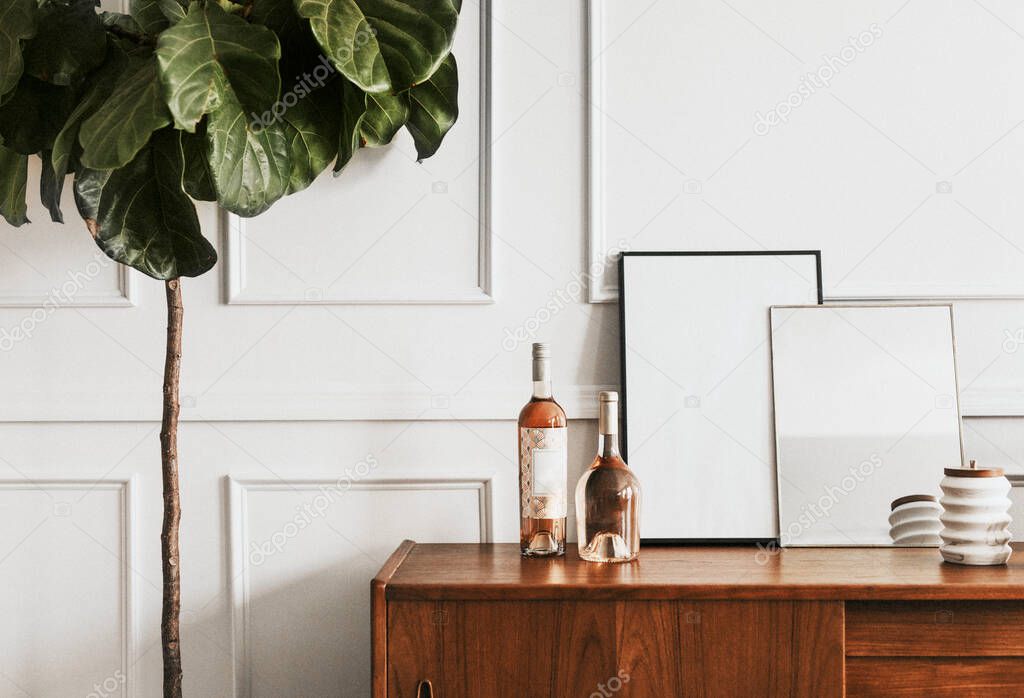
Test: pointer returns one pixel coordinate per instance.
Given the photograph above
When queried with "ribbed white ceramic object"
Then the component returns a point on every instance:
(975, 517)
(914, 521)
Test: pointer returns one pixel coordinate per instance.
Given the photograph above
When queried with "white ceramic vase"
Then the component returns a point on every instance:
(975, 516)
(914, 521)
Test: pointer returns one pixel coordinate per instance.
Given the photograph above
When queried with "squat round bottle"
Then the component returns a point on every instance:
(608, 496)
(543, 466)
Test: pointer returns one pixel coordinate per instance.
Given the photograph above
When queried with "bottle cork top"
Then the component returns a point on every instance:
(608, 412)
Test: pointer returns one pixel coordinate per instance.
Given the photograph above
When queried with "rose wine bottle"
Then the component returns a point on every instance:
(543, 465)
(608, 496)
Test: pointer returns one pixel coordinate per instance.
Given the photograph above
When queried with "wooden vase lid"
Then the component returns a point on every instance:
(913, 498)
(974, 471)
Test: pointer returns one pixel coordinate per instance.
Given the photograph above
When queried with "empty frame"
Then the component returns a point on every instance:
(866, 413)
(696, 374)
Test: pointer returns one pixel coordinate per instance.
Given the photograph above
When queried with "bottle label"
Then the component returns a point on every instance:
(543, 472)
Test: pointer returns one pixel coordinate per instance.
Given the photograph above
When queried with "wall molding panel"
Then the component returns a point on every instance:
(578, 401)
(360, 404)
(236, 279)
(992, 403)
(238, 536)
(948, 214)
(237, 290)
(124, 295)
(130, 631)
(603, 288)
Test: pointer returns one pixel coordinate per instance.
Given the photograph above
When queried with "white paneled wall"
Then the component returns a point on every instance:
(284, 525)
(282, 600)
(67, 570)
(354, 365)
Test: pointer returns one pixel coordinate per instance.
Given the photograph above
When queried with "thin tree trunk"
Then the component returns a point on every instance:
(172, 502)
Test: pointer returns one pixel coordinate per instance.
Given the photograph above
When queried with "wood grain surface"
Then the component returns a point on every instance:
(935, 629)
(480, 620)
(934, 677)
(498, 572)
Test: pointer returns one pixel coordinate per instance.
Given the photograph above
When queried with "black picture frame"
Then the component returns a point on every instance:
(624, 398)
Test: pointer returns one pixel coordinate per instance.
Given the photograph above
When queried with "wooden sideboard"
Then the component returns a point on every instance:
(479, 621)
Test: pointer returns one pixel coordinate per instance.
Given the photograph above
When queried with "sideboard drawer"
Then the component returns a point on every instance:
(634, 649)
(935, 629)
(934, 677)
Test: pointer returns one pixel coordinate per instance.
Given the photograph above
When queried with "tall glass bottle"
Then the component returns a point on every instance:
(608, 496)
(543, 465)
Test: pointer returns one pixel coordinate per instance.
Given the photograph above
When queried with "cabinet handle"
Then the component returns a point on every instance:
(425, 690)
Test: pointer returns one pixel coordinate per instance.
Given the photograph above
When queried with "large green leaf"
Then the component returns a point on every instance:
(310, 126)
(146, 221)
(196, 178)
(17, 24)
(51, 187)
(101, 83)
(13, 182)
(250, 163)
(70, 41)
(383, 45)
(212, 58)
(88, 187)
(353, 107)
(122, 126)
(174, 10)
(279, 16)
(300, 53)
(433, 108)
(149, 15)
(121, 25)
(34, 114)
(385, 116)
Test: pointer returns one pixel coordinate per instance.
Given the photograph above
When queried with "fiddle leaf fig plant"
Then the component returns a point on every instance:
(241, 102)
